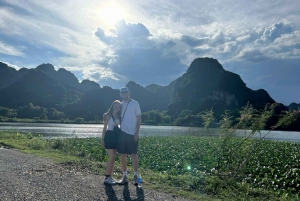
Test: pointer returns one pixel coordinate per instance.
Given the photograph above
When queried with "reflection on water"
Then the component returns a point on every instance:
(55, 130)
(288, 136)
(95, 130)
(51, 130)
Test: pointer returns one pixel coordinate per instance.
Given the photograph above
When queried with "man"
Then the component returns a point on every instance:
(130, 126)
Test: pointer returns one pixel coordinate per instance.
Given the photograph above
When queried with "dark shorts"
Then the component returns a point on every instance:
(127, 145)
(111, 140)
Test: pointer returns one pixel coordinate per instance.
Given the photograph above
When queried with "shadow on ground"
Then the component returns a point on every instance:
(111, 194)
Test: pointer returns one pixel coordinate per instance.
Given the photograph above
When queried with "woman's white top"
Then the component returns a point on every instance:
(111, 124)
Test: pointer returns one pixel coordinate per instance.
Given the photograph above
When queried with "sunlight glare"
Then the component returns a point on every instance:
(112, 13)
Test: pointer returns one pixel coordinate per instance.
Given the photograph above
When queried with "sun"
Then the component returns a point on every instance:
(112, 13)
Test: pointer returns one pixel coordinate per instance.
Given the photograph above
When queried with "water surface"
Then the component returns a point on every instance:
(51, 130)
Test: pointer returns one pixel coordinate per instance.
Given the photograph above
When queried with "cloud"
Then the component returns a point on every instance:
(123, 33)
(4, 5)
(201, 51)
(287, 46)
(218, 38)
(97, 73)
(243, 37)
(147, 65)
(10, 50)
(154, 43)
(212, 40)
(253, 55)
(46, 33)
(277, 41)
(276, 31)
(193, 41)
(139, 57)
(170, 44)
(100, 33)
(131, 30)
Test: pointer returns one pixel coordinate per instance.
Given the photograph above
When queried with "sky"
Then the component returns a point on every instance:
(154, 42)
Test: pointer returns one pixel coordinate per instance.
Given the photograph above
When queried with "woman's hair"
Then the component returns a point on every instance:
(111, 108)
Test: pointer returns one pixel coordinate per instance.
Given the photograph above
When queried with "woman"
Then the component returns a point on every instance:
(110, 138)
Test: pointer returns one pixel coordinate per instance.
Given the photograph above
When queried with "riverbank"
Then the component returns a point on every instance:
(200, 168)
(28, 177)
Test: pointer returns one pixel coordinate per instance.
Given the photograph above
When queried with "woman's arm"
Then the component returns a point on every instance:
(106, 118)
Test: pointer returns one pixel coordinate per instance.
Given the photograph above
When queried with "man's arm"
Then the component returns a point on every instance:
(137, 126)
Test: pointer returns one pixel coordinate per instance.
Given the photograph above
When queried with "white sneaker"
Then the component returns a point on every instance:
(109, 181)
(123, 181)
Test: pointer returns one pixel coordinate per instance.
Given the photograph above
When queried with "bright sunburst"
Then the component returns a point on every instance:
(112, 13)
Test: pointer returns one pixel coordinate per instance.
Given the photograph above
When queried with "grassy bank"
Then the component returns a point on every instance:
(202, 168)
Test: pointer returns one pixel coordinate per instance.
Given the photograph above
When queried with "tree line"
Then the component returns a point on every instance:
(272, 115)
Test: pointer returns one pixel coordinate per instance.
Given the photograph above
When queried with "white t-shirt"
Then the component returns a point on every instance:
(128, 124)
(111, 124)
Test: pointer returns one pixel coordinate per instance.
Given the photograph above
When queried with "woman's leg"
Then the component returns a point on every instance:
(111, 161)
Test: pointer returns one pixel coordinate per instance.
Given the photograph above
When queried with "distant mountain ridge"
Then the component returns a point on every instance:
(66, 78)
(294, 106)
(207, 85)
(152, 87)
(204, 86)
(34, 87)
(9, 75)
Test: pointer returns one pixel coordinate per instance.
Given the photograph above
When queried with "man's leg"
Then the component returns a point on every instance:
(124, 180)
(135, 162)
(124, 162)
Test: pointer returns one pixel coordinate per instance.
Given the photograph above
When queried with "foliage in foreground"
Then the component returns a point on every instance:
(262, 164)
(222, 167)
(189, 163)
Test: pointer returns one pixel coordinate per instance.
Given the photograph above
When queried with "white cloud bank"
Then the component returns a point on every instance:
(157, 40)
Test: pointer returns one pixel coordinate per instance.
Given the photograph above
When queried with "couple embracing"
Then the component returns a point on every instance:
(127, 114)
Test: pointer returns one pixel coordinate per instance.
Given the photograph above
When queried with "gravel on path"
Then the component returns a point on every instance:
(28, 177)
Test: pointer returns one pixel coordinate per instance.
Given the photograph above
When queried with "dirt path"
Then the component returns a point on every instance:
(27, 177)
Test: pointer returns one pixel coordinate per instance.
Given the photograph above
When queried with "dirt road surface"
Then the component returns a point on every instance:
(28, 177)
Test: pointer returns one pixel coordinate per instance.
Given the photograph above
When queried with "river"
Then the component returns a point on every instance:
(51, 130)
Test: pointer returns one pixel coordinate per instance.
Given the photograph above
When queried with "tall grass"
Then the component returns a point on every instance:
(223, 167)
(191, 163)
